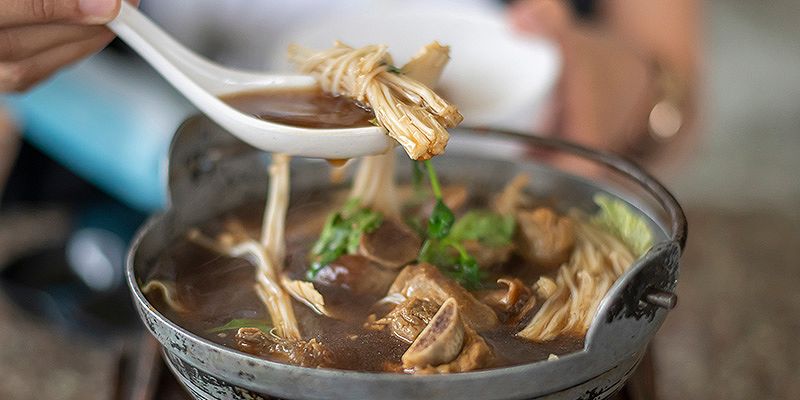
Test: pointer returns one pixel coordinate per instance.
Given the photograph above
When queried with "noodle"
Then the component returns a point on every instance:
(572, 299)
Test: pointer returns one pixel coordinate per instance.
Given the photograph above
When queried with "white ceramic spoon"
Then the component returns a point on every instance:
(202, 81)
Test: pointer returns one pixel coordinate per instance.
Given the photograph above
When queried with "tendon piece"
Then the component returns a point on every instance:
(168, 293)
(309, 353)
(411, 112)
(572, 299)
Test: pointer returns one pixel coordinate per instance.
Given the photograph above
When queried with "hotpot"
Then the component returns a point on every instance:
(210, 172)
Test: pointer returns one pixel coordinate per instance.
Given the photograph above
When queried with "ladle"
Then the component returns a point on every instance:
(202, 82)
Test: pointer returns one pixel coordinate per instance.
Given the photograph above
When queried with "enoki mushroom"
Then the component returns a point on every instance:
(572, 298)
(411, 112)
(374, 184)
(267, 255)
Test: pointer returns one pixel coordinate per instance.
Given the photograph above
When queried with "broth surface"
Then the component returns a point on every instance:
(218, 289)
(306, 108)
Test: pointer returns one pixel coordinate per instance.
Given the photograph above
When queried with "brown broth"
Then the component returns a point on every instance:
(306, 108)
(218, 289)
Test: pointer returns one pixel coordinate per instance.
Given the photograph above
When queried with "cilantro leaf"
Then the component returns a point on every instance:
(342, 234)
(235, 324)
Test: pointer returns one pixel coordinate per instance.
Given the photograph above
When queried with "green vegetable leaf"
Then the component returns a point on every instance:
(342, 234)
(454, 260)
(621, 220)
(235, 324)
(394, 70)
(466, 271)
(489, 228)
(441, 220)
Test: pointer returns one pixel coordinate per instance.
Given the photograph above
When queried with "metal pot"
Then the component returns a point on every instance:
(211, 172)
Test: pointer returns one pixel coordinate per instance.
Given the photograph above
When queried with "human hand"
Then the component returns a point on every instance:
(607, 88)
(38, 37)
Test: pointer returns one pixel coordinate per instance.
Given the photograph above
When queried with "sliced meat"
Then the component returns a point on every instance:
(425, 281)
(441, 340)
(357, 274)
(488, 256)
(392, 245)
(544, 237)
(304, 353)
(407, 319)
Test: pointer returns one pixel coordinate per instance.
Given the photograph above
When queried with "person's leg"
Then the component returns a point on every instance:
(9, 145)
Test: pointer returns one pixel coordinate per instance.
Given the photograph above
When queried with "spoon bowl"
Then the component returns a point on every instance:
(203, 82)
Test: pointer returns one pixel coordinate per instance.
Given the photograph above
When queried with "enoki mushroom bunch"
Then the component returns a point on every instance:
(573, 297)
(411, 112)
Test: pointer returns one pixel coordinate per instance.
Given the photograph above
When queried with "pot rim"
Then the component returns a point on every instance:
(625, 166)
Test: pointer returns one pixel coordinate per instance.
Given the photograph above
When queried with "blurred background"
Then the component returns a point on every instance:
(89, 169)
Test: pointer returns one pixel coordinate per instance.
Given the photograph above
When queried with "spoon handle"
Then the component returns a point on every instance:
(170, 58)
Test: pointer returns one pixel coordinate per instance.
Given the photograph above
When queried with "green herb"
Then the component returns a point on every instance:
(416, 175)
(454, 260)
(437, 189)
(489, 228)
(622, 221)
(342, 234)
(466, 271)
(374, 121)
(394, 70)
(235, 324)
(446, 235)
(442, 218)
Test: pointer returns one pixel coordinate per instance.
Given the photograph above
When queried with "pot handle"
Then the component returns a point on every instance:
(637, 304)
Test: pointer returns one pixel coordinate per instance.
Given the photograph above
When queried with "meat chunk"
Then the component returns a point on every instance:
(357, 274)
(407, 319)
(544, 237)
(475, 353)
(425, 281)
(513, 196)
(441, 340)
(488, 256)
(391, 245)
(304, 353)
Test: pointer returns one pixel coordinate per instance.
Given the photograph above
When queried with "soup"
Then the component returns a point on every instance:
(425, 277)
(306, 108)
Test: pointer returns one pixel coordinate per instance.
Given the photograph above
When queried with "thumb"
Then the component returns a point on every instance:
(27, 12)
